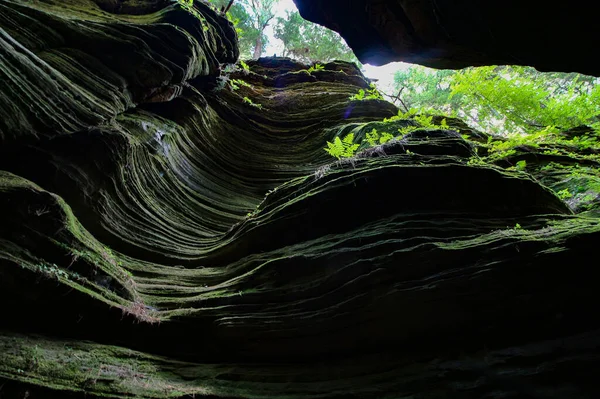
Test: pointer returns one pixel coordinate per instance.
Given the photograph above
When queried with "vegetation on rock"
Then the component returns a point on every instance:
(172, 227)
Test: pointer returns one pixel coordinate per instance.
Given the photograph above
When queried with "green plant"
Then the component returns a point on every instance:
(52, 270)
(236, 83)
(564, 194)
(358, 96)
(251, 103)
(401, 115)
(316, 67)
(521, 165)
(476, 161)
(244, 66)
(521, 99)
(500, 149)
(369, 94)
(423, 121)
(342, 148)
(374, 138)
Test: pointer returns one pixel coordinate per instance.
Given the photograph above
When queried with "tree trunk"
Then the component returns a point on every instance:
(259, 47)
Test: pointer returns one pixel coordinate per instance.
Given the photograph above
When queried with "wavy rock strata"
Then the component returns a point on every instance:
(168, 231)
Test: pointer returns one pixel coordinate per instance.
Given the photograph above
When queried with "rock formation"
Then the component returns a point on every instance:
(452, 35)
(170, 226)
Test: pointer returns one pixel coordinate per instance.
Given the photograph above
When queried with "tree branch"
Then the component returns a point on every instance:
(397, 98)
(228, 7)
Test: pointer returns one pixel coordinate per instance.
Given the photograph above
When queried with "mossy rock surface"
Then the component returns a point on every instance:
(172, 227)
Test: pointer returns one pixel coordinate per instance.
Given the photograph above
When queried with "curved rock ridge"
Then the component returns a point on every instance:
(453, 35)
(183, 233)
(70, 66)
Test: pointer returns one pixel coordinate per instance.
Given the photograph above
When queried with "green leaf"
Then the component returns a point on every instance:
(342, 148)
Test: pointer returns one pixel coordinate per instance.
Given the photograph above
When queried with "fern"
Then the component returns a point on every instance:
(564, 194)
(370, 94)
(236, 83)
(244, 66)
(342, 148)
(373, 93)
(358, 96)
(374, 138)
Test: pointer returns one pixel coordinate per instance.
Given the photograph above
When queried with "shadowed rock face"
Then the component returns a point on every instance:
(453, 35)
(168, 230)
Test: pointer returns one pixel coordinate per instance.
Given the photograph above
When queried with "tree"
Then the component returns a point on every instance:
(310, 42)
(426, 89)
(251, 17)
(503, 99)
(522, 99)
(261, 12)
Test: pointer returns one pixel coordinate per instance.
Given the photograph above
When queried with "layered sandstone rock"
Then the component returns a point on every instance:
(168, 231)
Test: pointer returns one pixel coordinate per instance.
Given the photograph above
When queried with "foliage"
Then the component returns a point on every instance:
(309, 42)
(302, 39)
(500, 149)
(564, 194)
(261, 13)
(370, 94)
(250, 17)
(422, 121)
(426, 89)
(521, 165)
(342, 148)
(251, 103)
(522, 99)
(316, 67)
(529, 110)
(236, 83)
(374, 138)
(244, 66)
(503, 99)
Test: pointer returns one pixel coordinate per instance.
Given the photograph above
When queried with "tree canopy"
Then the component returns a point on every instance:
(302, 40)
(251, 18)
(503, 99)
(310, 42)
(425, 88)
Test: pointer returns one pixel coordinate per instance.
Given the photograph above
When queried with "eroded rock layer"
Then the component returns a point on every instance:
(450, 34)
(171, 227)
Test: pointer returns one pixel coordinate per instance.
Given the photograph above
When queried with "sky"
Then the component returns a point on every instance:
(275, 46)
